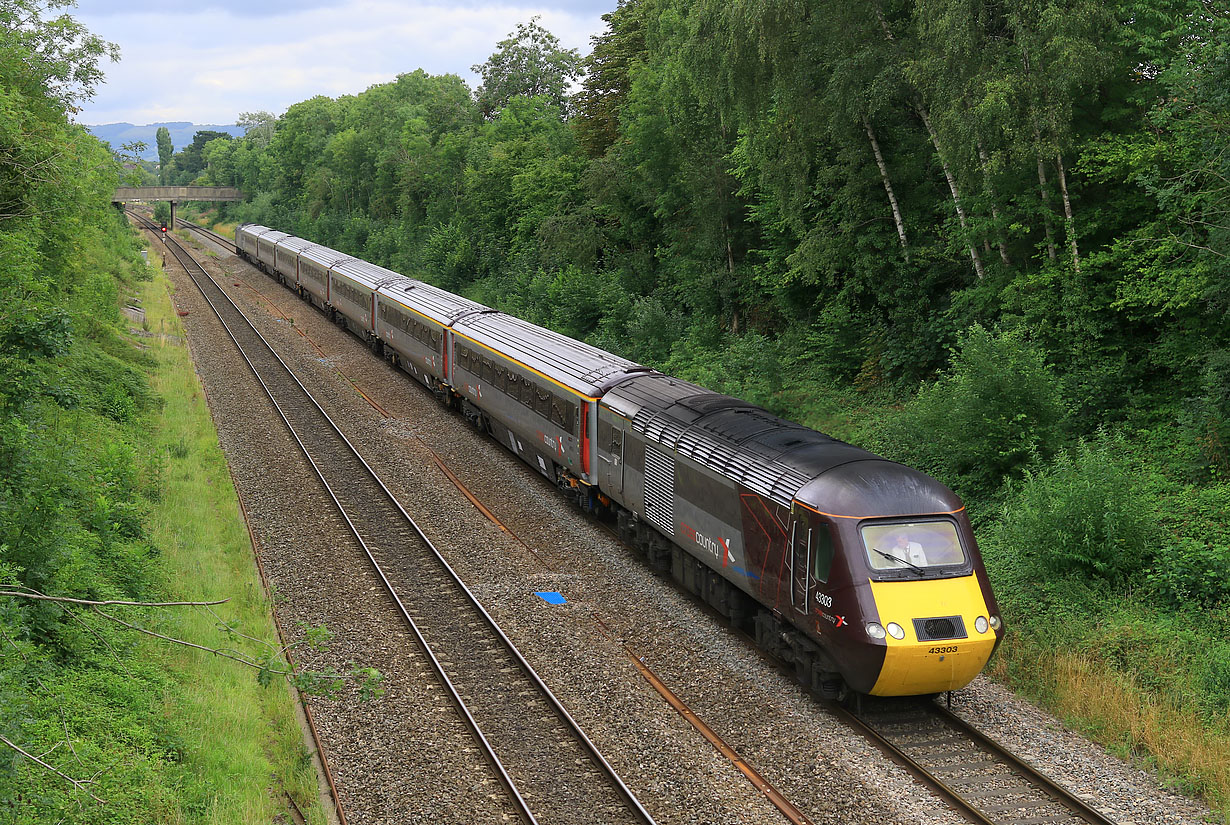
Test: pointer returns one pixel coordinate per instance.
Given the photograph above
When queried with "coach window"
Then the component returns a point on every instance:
(527, 392)
(560, 409)
(821, 552)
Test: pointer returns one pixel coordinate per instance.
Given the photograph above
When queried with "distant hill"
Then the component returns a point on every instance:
(117, 134)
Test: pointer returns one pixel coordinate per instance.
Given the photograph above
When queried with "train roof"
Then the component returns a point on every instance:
(877, 488)
(323, 255)
(274, 235)
(294, 244)
(776, 458)
(440, 306)
(367, 274)
(580, 367)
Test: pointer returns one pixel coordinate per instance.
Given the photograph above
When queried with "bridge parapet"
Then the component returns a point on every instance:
(176, 193)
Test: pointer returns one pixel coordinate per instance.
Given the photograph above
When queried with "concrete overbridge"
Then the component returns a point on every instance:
(175, 194)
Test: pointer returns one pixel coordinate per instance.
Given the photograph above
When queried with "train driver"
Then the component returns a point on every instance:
(910, 551)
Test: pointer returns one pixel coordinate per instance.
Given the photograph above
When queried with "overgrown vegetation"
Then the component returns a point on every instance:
(96, 501)
(986, 239)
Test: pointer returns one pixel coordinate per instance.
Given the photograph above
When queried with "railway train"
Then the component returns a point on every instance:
(860, 572)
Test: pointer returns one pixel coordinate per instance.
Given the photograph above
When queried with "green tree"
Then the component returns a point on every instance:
(51, 62)
(992, 413)
(608, 76)
(218, 155)
(190, 162)
(529, 62)
(165, 152)
(259, 126)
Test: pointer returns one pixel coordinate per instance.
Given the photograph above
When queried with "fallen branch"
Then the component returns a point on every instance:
(216, 651)
(79, 784)
(91, 603)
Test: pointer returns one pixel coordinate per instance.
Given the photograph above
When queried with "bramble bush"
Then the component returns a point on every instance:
(1192, 571)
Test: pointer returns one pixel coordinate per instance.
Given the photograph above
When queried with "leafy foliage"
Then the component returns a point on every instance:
(985, 420)
(986, 239)
(1083, 515)
(528, 63)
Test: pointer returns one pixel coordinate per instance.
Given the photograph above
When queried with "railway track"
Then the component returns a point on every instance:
(977, 776)
(551, 770)
(221, 240)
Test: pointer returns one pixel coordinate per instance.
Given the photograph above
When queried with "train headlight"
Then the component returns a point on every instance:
(895, 630)
(995, 622)
(980, 624)
(875, 630)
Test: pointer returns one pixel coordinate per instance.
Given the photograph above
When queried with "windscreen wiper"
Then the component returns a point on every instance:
(891, 557)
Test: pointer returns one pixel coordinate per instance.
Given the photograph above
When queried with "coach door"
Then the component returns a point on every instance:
(610, 458)
(800, 564)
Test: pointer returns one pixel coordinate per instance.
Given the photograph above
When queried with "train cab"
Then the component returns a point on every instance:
(905, 605)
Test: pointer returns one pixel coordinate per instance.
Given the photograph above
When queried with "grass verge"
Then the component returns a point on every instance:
(242, 745)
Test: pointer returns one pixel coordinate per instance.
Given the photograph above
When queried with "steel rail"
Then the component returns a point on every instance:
(1033, 789)
(339, 809)
(1049, 786)
(209, 233)
(630, 799)
(1056, 792)
(774, 796)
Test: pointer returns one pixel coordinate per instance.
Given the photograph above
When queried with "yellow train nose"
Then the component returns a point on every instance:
(921, 661)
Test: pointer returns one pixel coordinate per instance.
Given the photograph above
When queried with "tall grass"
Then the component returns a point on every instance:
(1113, 708)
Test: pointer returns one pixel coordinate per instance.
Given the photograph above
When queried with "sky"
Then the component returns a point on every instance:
(208, 61)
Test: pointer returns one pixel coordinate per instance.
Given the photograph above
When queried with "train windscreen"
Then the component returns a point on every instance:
(917, 545)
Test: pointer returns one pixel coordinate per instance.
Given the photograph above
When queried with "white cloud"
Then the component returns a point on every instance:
(208, 66)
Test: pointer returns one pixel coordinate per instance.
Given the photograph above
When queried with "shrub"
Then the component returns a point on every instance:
(652, 330)
(996, 408)
(1083, 515)
(745, 366)
(1212, 413)
(1192, 571)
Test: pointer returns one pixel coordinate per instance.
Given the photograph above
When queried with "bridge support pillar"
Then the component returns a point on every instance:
(171, 225)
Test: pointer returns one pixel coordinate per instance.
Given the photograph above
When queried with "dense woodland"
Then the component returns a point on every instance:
(1026, 202)
(988, 239)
